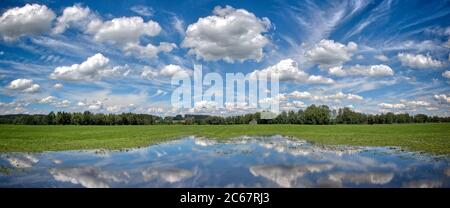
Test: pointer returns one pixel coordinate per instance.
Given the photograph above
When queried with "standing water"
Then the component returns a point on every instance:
(274, 161)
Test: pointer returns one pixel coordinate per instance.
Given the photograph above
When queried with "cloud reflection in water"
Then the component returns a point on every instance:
(273, 161)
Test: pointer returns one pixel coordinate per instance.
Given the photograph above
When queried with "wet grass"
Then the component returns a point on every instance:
(431, 138)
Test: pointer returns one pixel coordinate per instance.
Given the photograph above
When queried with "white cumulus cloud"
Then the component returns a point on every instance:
(406, 105)
(58, 86)
(123, 30)
(348, 96)
(362, 70)
(419, 61)
(288, 70)
(55, 102)
(381, 57)
(165, 71)
(48, 99)
(149, 50)
(296, 104)
(392, 106)
(126, 32)
(418, 103)
(337, 97)
(76, 16)
(229, 34)
(24, 85)
(29, 19)
(327, 53)
(94, 68)
(171, 69)
(300, 95)
(62, 104)
(149, 73)
(205, 106)
(446, 74)
(442, 98)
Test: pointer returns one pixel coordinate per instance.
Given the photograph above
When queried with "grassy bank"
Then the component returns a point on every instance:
(432, 138)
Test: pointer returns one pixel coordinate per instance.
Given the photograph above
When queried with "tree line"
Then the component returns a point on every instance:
(319, 115)
(85, 118)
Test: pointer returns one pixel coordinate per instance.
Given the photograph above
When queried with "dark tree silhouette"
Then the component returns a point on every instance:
(315, 115)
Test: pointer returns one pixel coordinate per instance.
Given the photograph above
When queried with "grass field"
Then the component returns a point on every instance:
(431, 138)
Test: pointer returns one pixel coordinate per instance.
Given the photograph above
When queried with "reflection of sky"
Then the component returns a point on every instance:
(274, 161)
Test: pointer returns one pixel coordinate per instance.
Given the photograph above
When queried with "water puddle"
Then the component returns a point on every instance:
(273, 161)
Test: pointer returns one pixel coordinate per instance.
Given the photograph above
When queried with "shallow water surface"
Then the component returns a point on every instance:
(273, 161)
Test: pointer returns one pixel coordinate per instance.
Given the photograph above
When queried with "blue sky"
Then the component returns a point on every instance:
(372, 56)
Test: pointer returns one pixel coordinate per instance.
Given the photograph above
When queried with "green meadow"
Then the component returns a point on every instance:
(430, 138)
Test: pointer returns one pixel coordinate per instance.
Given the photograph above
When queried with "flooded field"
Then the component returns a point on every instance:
(273, 161)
